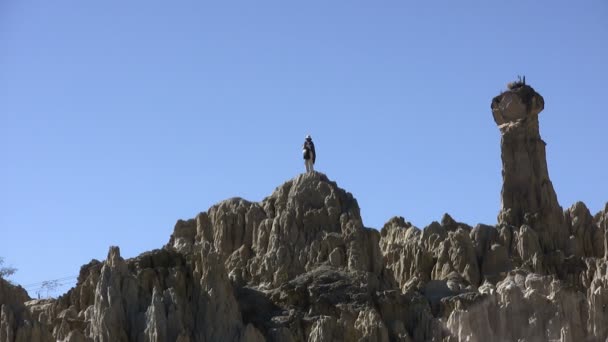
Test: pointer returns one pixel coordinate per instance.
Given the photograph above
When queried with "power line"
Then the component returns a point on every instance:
(55, 286)
(51, 285)
(42, 283)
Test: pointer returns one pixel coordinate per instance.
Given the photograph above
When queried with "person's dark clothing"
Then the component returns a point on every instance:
(309, 146)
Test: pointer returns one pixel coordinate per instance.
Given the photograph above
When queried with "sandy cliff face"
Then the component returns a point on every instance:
(17, 323)
(301, 266)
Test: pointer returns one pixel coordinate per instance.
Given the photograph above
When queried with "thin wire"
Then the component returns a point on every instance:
(49, 281)
(52, 284)
(55, 287)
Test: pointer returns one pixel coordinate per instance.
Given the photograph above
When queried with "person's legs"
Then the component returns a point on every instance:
(312, 166)
(309, 165)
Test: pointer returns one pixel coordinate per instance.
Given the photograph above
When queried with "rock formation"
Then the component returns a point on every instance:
(527, 192)
(301, 266)
(17, 323)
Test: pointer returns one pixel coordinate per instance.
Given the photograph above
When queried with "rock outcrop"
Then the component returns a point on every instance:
(301, 266)
(527, 192)
(17, 323)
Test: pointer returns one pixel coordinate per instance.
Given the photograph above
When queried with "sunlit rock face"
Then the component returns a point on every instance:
(301, 266)
(527, 192)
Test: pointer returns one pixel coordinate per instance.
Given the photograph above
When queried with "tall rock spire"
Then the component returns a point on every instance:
(527, 195)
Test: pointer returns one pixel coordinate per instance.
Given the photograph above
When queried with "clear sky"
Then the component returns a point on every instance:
(119, 117)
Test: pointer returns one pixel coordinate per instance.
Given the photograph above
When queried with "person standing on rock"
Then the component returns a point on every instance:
(308, 150)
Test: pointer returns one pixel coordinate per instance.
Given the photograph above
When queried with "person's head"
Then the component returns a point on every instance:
(308, 137)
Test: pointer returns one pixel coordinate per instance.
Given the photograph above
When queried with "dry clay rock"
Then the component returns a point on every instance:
(297, 266)
(158, 296)
(461, 256)
(16, 322)
(306, 222)
(495, 283)
(519, 308)
(308, 228)
(527, 195)
(587, 235)
(300, 266)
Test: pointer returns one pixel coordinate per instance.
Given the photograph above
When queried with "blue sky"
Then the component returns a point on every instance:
(119, 117)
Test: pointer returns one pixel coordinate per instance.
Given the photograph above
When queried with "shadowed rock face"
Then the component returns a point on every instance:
(301, 266)
(17, 323)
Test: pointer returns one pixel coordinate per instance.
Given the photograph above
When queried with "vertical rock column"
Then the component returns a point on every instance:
(527, 195)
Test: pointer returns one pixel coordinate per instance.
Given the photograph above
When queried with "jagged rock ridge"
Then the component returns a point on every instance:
(301, 266)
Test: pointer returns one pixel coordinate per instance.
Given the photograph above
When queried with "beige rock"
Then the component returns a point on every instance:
(527, 242)
(323, 330)
(300, 265)
(457, 254)
(601, 221)
(527, 195)
(587, 238)
(17, 324)
(371, 326)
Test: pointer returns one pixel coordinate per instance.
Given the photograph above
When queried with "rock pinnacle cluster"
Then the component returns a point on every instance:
(300, 265)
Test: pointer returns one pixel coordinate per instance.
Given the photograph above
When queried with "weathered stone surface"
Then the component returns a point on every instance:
(586, 236)
(601, 220)
(527, 193)
(521, 308)
(408, 261)
(457, 255)
(306, 222)
(308, 233)
(17, 324)
(301, 266)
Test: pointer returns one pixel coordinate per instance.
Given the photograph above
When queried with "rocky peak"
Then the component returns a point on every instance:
(301, 266)
(306, 222)
(527, 195)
